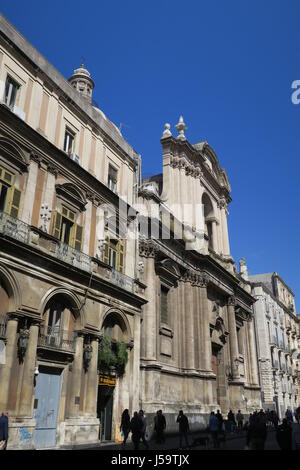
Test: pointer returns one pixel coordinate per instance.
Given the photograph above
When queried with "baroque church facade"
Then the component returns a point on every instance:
(94, 257)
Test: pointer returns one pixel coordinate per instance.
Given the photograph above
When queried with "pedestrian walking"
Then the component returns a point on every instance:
(214, 429)
(3, 430)
(257, 433)
(297, 414)
(135, 428)
(289, 415)
(231, 421)
(240, 420)
(284, 435)
(125, 426)
(143, 428)
(159, 427)
(184, 428)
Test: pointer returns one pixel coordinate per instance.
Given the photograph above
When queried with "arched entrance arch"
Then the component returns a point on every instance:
(113, 387)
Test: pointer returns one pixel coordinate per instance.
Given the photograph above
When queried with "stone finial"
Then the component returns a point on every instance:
(181, 127)
(167, 132)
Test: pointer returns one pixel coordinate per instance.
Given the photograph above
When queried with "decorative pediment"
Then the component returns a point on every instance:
(71, 194)
(12, 153)
(168, 270)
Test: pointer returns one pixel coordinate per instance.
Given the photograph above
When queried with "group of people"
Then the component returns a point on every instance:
(137, 425)
(256, 428)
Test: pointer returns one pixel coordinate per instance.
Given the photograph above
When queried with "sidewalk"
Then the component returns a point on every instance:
(172, 442)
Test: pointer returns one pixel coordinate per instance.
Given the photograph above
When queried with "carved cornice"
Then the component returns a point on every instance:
(36, 158)
(148, 249)
(52, 169)
(202, 281)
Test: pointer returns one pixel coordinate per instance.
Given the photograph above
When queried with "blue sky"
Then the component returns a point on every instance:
(226, 66)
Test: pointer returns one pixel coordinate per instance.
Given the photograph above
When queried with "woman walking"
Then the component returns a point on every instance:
(125, 426)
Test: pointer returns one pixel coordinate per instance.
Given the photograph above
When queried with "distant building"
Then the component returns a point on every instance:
(277, 335)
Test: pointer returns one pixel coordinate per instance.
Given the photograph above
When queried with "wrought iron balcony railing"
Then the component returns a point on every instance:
(14, 228)
(121, 280)
(18, 230)
(74, 257)
(55, 338)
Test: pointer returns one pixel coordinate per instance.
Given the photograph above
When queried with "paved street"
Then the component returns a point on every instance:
(233, 442)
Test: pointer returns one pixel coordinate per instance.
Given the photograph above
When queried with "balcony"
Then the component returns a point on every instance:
(14, 228)
(56, 339)
(32, 236)
(121, 280)
(74, 257)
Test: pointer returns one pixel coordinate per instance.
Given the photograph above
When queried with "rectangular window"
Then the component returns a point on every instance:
(164, 317)
(112, 178)
(114, 254)
(10, 92)
(66, 230)
(69, 141)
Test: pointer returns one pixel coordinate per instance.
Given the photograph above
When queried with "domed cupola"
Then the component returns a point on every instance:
(82, 82)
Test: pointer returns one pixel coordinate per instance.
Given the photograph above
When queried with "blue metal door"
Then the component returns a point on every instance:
(47, 393)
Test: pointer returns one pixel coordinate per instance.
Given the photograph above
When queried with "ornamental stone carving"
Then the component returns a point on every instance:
(231, 300)
(148, 249)
(222, 204)
(203, 281)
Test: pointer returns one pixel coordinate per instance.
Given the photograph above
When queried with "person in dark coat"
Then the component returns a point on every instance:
(125, 425)
(143, 428)
(159, 427)
(284, 435)
(184, 428)
(136, 429)
(257, 433)
(4, 428)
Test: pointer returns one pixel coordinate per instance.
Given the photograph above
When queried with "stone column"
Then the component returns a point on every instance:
(6, 370)
(223, 209)
(253, 355)
(214, 236)
(30, 190)
(92, 381)
(76, 377)
(233, 341)
(205, 351)
(189, 323)
(25, 403)
(148, 251)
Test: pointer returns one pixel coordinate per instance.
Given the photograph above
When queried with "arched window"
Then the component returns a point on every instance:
(114, 327)
(58, 324)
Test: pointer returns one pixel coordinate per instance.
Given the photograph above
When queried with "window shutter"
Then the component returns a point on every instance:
(78, 237)
(57, 225)
(13, 202)
(121, 254)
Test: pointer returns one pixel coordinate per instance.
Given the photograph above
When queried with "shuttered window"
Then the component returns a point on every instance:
(164, 317)
(10, 197)
(114, 254)
(65, 228)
